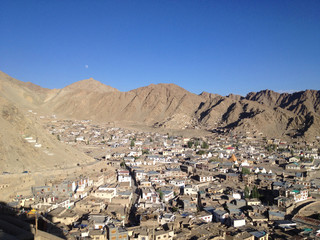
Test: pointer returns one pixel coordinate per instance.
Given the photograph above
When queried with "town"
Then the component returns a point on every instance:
(149, 185)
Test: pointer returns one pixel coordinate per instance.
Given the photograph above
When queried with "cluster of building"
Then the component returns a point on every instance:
(157, 186)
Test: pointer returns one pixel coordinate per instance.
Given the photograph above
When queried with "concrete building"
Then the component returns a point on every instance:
(116, 233)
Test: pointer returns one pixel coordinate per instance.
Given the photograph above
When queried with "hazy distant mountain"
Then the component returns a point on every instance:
(170, 106)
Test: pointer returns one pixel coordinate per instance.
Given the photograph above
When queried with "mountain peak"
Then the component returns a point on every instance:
(90, 85)
(163, 87)
(235, 97)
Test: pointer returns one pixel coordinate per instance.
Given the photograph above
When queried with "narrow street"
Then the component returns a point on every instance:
(132, 219)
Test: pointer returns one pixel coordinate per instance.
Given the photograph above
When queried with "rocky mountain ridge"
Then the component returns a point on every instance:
(169, 106)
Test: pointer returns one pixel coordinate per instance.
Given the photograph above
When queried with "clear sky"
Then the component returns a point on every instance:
(214, 46)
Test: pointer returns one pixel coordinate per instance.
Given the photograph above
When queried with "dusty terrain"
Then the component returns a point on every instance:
(164, 107)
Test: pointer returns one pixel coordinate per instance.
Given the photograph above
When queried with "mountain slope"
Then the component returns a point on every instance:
(302, 110)
(146, 104)
(170, 106)
(24, 144)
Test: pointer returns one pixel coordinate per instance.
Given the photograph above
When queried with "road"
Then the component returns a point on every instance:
(132, 218)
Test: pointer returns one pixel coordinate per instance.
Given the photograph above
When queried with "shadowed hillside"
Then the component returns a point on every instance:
(170, 106)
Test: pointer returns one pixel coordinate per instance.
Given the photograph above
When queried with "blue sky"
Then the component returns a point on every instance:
(214, 46)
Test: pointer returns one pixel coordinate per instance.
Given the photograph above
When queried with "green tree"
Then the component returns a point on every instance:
(190, 144)
(291, 152)
(174, 209)
(255, 192)
(205, 145)
(160, 194)
(271, 147)
(268, 148)
(58, 137)
(246, 192)
(122, 164)
(132, 144)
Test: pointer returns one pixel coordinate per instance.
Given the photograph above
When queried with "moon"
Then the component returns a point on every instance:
(86, 66)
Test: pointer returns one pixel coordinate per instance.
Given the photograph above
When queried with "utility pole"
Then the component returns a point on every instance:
(154, 237)
(36, 223)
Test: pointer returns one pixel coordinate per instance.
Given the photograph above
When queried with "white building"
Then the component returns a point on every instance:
(205, 216)
(238, 222)
(167, 195)
(190, 190)
(140, 175)
(178, 182)
(149, 195)
(124, 176)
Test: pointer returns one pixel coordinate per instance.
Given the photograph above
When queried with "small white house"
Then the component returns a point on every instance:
(205, 216)
(238, 222)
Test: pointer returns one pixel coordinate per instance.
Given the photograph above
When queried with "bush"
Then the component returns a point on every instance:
(245, 171)
(201, 152)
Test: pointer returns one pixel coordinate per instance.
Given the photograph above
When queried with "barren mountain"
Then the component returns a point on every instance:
(90, 85)
(147, 104)
(24, 144)
(170, 106)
